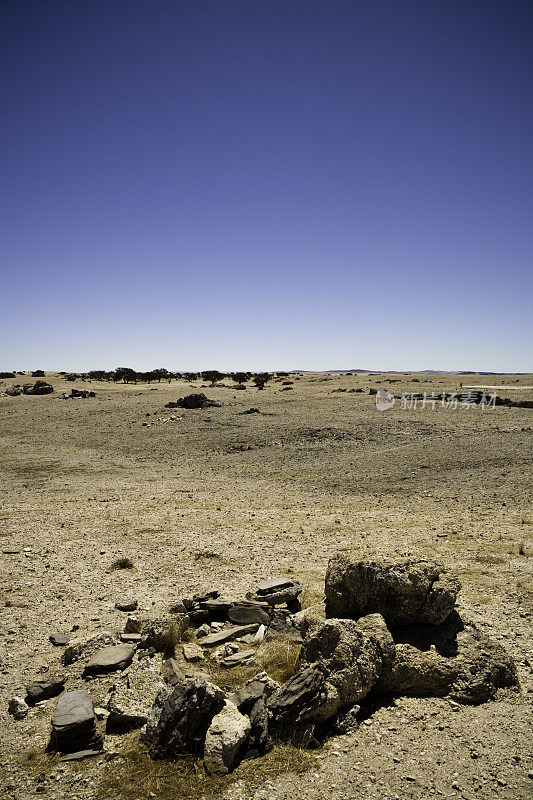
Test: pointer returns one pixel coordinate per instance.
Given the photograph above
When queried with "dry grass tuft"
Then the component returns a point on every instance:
(135, 774)
(122, 563)
(278, 658)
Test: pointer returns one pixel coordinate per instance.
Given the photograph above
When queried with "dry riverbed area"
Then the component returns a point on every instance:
(115, 497)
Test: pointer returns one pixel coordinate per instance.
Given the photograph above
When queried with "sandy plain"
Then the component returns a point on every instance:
(218, 499)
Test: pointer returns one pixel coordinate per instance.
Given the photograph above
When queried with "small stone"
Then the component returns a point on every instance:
(18, 708)
(192, 653)
(80, 754)
(248, 613)
(127, 605)
(130, 638)
(133, 625)
(203, 630)
(238, 658)
(42, 690)
(109, 659)
(59, 639)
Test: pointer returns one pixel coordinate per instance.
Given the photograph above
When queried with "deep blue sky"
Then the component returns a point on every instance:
(266, 184)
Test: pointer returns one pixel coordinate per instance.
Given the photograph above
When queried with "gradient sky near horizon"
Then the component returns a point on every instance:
(266, 184)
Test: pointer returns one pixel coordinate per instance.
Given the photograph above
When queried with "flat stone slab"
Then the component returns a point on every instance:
(73, 710)
(228, 635)
(248, 613)
(81, 754)
(273, 585)
(237, 658)
(132, 638)
(109, 659)
(42, 690)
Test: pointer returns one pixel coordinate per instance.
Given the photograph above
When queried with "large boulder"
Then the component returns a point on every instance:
(225, 738)
(350, 659)
(404, 593)
(456, 661)
(73, 723)
(185, 715)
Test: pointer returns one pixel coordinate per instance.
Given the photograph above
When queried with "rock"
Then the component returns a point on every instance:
(346, 721)
(349, 659)
(186, 714)
(203, 630)
(109, 659)
(298, 699)
(171, 672)
(228, 635)
(280, 626)
(457, 661)
(273, 585)
(131, 700)
(248, 613)
(133, 625)
(130, 638)
(17, 708)
(258, 743)
(308, 620)
(289, 596)
(127, 605)
(87, 647)
(374, 626)
(59, 639)
(243, 656)
(39, 387)
(246, 697)
(163, 634)
(42, 690)
(81, 754)
(404, 593)
(225, 737)
(193, 653)
(73, 723)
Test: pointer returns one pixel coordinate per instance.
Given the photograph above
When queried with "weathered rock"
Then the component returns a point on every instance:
(130, 703)
(42, 690)
(376, 628)
(18, 708)
(193, 653)
(241, 657)
(225, 737)
(133, 625)
(59, 639)
(308, 620)
(464, 665)
(73, 723)
(280, 625)
(258, 743)
(346, 721)
(109, 659)
(127, 605)
(228, 635)
(87, 647)
(298, 699)
(171, 672)
(130, 638)
(80, 755)
(404, 593)
(248, 613)
(186, 714)
(246, 697)
(349, 659)
(164, 634)
(288, 596)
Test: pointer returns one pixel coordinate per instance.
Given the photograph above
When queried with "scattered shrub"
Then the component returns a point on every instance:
(122, 563)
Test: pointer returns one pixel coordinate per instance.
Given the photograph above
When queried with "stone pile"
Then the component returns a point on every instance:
(388, 628)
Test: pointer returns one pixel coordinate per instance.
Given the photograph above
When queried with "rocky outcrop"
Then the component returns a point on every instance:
(349, 659)
(455, 660)
(186, 714)
(404, 593)
(225, 738)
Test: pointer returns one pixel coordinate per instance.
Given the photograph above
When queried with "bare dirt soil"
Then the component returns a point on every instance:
(216, 499)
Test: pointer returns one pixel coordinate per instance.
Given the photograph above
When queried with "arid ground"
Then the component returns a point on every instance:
(218, 499)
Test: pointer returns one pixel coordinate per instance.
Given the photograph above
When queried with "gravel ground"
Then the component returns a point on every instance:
(218, 499)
